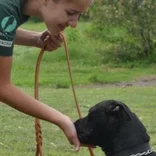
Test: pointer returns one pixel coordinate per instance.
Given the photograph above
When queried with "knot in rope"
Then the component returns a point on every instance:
(39, 139)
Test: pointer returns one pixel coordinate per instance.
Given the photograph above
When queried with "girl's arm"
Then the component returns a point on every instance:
(36, 39)
(17, 99)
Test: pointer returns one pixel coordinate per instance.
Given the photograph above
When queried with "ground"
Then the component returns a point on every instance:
(143, 81)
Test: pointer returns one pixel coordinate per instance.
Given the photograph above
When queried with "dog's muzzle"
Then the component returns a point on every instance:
(85, 131)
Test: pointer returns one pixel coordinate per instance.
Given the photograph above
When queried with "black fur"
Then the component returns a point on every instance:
(112, 126)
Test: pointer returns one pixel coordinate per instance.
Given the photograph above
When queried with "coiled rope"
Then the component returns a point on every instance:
(39, 139)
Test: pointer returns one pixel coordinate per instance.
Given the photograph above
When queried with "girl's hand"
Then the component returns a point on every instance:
(69, 129)
(53, 42)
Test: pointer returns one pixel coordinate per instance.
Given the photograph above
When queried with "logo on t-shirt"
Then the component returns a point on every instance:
(8, 24)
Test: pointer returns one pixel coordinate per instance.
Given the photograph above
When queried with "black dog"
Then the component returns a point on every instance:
(113, 127)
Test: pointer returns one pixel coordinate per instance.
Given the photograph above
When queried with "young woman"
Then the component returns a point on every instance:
(57, 15)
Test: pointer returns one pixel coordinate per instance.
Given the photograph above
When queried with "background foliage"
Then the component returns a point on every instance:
(126, 29)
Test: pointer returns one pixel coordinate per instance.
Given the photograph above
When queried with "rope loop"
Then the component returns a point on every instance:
(39, 139)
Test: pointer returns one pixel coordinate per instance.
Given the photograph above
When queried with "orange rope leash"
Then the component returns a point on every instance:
(39, 151)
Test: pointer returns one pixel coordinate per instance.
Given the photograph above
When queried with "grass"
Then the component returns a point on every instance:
(17, 130)
(56, 73)
(85, 63)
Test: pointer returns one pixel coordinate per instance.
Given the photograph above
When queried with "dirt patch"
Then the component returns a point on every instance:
(142, 81)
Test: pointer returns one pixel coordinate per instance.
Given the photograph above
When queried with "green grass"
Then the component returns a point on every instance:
(17, 130)
(55, 74)
(85, 63)
(54, 71)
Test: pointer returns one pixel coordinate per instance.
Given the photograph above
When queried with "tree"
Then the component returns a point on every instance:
(136, 16)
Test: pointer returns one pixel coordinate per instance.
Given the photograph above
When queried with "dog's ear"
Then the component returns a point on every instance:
(119, 110)
(124, 112)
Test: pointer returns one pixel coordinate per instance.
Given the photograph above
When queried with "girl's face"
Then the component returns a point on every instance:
(59, 14)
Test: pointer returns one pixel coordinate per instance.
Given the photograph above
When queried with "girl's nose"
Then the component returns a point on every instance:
(73, 23)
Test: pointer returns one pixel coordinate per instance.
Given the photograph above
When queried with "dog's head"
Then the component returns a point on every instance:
(101, 121)
(108, 125)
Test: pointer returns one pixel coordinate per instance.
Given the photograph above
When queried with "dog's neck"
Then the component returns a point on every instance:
(141, 148)
(130, 138)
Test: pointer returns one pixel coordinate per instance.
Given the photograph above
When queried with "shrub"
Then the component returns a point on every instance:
(135, 18)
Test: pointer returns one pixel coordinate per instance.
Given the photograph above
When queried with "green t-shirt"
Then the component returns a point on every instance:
(11, 17)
